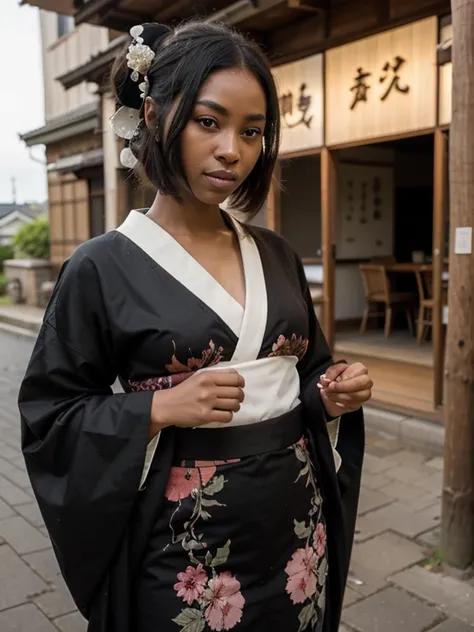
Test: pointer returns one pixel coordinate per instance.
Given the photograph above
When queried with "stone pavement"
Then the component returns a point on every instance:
(390, 590)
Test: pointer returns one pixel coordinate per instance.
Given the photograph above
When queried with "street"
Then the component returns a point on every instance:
(392, 586)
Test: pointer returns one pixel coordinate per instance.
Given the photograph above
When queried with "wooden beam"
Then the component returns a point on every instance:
(440, 209)
(243, 10)
(312, 6)
(328, 241)
(382, 9)
(90, 11)
(313, 35)
(178, 7)
(122, 21)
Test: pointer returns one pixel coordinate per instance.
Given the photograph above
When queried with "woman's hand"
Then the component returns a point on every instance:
(207, 397)
(345, 388)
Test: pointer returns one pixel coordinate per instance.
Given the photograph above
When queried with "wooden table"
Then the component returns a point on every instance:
(409, 267)
(415, 267)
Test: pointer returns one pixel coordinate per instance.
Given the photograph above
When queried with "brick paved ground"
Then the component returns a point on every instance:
(389, 590)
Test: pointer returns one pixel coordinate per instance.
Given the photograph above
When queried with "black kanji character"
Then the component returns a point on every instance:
(395, 83)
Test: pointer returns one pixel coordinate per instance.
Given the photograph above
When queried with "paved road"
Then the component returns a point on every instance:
(390, 590)
(33, 597)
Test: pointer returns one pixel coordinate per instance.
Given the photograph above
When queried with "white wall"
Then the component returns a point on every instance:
(65, 54)
(10, 229)
(365, 211)
(350, 296)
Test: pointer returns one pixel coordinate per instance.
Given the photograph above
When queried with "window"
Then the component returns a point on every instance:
(65, 24)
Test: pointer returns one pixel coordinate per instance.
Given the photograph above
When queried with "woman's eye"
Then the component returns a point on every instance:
(208, 123)
(252, 133)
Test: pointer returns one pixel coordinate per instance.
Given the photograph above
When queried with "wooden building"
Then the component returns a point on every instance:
(74, 152)
(365, 91)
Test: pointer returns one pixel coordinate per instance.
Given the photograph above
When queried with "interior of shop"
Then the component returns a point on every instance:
(384, 241)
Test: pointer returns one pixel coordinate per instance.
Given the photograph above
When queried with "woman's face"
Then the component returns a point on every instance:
(222, 141)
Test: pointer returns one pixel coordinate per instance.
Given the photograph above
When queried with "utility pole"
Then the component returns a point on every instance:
(458, 488)
(14, 190)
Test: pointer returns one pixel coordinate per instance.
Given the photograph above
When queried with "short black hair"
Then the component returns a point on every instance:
(184, 58)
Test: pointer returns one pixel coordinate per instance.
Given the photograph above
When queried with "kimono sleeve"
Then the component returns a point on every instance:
(346, 435)
(318, 355)
(84, 446)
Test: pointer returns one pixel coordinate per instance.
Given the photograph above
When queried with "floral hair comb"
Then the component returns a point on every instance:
(126, 121)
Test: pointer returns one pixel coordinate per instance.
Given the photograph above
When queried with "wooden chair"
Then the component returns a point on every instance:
(424, 281)
(377, 291)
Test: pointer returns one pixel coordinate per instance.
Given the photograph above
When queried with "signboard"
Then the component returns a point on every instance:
(300, 90)
(382, 85)
(445, 81)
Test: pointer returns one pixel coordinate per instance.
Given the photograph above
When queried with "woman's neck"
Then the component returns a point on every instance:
(186, 218)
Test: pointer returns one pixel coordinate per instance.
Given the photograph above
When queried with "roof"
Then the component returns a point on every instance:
(76, 162)
(16, 210)
(66, 7)
(82, 119)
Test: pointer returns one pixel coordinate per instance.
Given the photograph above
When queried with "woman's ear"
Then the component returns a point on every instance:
(149, 113)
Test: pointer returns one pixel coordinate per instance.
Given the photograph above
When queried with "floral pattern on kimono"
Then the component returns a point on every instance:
(178, 371)
(213, 597)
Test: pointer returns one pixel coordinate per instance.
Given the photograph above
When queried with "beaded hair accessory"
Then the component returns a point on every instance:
(127, 120)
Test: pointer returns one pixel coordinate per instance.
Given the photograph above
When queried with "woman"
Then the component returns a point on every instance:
(206, 496)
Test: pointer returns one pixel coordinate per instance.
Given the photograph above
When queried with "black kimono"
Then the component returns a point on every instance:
(247, 526)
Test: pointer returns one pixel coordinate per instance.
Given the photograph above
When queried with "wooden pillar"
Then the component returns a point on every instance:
(111, 163)
(328, 241)
(458, 488)
(440, 206)
(123, 197)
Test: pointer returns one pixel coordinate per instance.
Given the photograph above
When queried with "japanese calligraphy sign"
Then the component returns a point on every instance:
(300, 90)
(382, 85)
(445, 81)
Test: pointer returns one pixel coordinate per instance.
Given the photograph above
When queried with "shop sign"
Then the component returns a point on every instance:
(382, 85)
(300, 91)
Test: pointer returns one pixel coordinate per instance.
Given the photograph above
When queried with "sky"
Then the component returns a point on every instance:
(21, 102)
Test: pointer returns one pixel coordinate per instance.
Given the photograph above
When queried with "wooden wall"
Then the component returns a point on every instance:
(69, 207)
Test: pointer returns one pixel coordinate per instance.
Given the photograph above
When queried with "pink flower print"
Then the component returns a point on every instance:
(225, 602)
(183, 480)
(301, 571)
(191, 584)
(289, 347)
(320, 539)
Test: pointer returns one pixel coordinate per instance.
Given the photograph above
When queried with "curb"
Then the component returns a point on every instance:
(20, 323)
(410, 431)
(18, 331)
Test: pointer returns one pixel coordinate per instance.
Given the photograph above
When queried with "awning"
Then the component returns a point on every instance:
(65, 7)
(77, 121)
(77, 162)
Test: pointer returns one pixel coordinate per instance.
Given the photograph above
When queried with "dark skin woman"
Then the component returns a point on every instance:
(219, 490)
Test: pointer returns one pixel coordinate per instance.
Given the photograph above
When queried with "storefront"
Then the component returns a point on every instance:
(363, 199)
